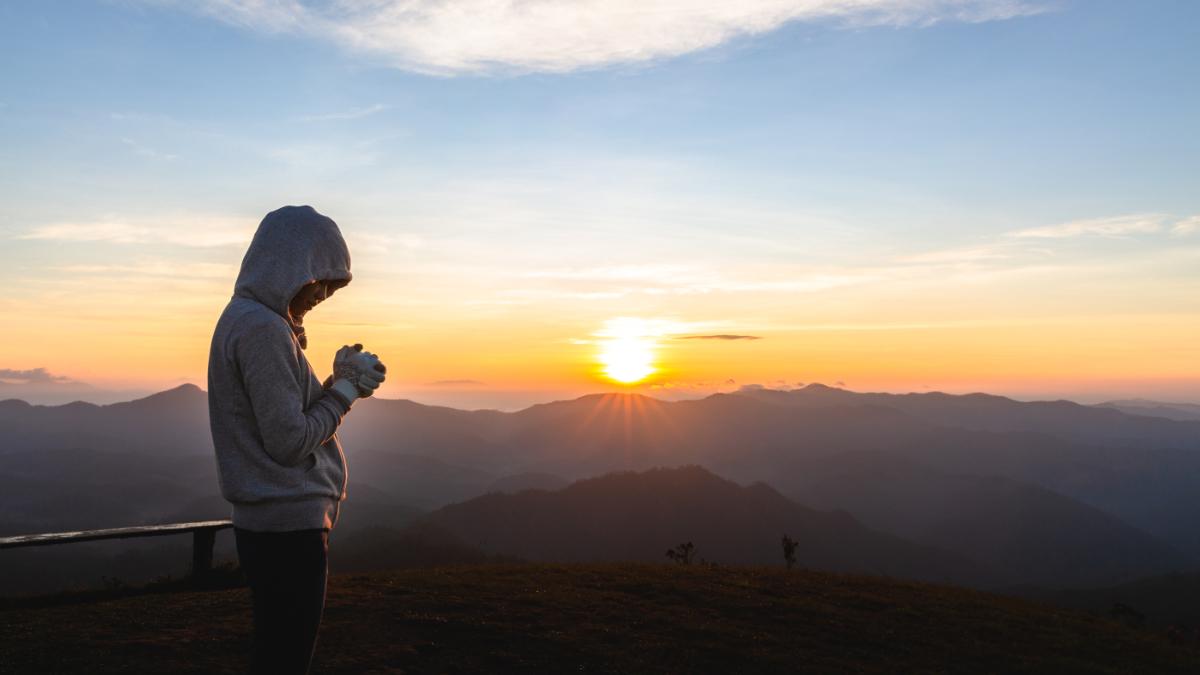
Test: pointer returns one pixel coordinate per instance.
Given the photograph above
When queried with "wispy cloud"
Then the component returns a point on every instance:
(38, 386)
(480, 36)
(379, 243)
(352, 114)
(321, 157)
(604, 282)
(153, 268)
(1118, 226)
(33, 375)
(1186, 226)
(147, 151)
(631, 327)
(1021, 248)
(193, 231)
(646, 273)
(807, 284)
(723, 336)
(140, 117)
(958, 256)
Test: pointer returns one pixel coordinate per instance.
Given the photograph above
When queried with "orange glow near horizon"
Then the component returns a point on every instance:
(449, 345)
(1058, 356)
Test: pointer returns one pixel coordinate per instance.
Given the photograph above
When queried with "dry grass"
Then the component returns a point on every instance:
(597, 618)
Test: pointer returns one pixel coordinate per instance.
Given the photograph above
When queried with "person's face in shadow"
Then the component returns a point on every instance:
(311, 295)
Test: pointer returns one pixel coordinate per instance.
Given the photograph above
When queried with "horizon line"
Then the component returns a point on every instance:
(741, 390)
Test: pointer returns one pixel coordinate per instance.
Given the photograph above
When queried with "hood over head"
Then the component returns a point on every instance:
(293, 246)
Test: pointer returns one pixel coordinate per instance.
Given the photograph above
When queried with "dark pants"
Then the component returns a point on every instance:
(286, 572)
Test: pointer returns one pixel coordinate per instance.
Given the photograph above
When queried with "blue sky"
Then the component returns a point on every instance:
(156, 133)
(1085, 110)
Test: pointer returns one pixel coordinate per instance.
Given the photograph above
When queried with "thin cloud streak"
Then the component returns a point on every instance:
(483, 36)
(190, 231)
(153, 268)
(32, 375)
(1118, 226)
(354, 114)
(958, 256)
(646, 273)
(1009, 249)
(811, 284)
(147, 151)
(1186, 226)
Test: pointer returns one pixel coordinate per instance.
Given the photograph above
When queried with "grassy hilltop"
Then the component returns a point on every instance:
(601, 619)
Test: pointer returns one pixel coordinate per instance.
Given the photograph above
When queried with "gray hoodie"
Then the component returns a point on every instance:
(279, 461)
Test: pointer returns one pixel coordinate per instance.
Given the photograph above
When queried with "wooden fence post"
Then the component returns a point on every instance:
(202, 553)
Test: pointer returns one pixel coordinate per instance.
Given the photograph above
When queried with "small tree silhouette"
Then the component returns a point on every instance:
(789, 551)
(1127, 615)
(683, 554)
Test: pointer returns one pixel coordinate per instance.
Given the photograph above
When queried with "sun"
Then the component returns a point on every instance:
(627, 353)
(628, 360)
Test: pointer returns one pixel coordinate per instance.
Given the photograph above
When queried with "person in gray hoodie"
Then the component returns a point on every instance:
(279, 461)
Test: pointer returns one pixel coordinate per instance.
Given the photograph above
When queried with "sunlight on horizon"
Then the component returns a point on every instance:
(628, 352)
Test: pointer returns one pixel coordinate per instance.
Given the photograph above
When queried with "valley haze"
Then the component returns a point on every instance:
(977, 489)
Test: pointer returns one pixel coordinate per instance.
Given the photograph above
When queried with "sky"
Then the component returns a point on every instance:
(887, 195)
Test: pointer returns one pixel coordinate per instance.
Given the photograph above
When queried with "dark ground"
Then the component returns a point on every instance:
(594, 618)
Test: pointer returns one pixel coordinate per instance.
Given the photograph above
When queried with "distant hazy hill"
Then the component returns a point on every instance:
(87, 466)
(1024, 471)
(985, 412)
(600, 619)
(528, 481)
(1183, 412)
(172, 423)
(777, 436)
(638, 516)
(1022, 533)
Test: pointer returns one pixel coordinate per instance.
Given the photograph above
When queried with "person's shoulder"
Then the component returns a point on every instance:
(249, 317)
(252, 312)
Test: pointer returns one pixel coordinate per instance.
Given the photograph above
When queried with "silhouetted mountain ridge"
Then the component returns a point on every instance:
(1023, 532)
(1183, 412)
(156, 453)
(988, 412)
(637, 516)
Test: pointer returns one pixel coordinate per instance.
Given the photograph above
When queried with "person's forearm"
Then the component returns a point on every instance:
(291, 441)
(337, 393)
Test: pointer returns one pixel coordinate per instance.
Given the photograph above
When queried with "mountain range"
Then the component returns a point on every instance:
(1052, 494)
(635, 516)
(1184, 412)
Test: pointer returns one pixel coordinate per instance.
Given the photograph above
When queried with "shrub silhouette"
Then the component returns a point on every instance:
(683, 554)
(1127, 615)
(112, 583)
(789, 551)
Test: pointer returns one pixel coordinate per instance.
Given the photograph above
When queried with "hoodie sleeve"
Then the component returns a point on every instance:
(267, 359)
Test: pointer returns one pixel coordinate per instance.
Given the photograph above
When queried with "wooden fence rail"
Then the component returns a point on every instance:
(204, 535)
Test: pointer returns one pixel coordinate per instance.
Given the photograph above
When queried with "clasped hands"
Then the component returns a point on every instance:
(357, 373)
